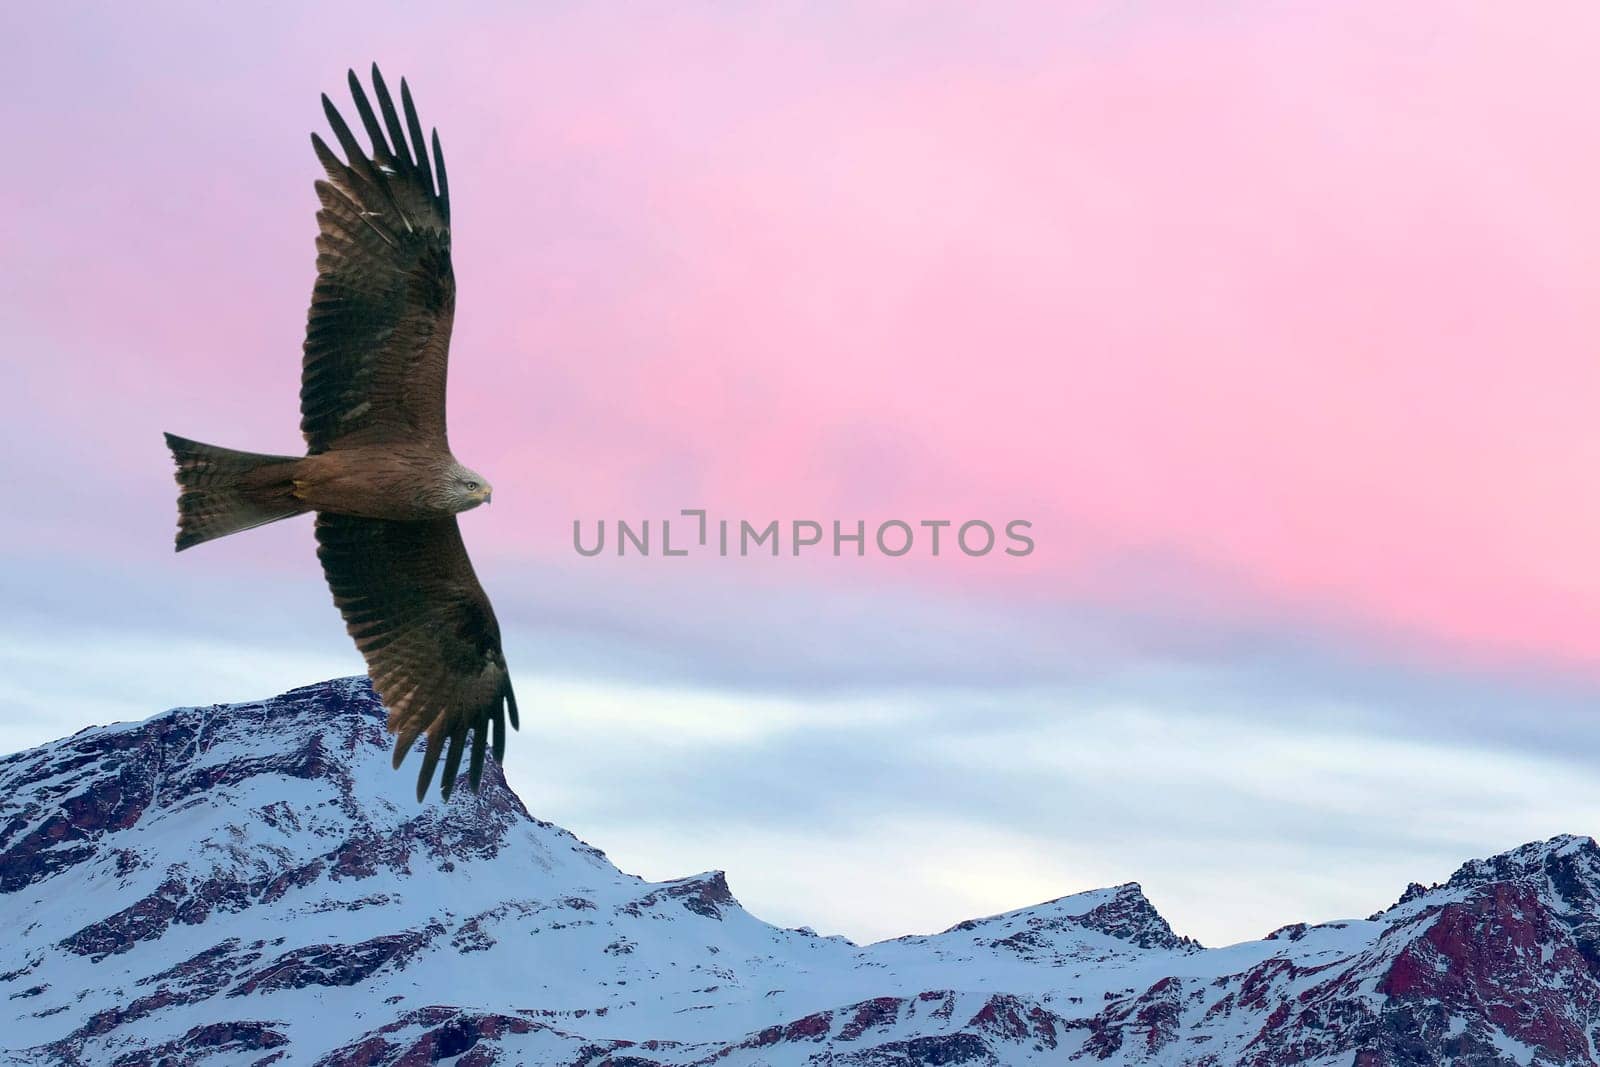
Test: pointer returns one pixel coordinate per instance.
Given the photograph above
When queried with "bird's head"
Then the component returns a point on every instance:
(468, 488)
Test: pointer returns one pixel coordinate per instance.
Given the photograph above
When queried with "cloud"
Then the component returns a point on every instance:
(882, 765)
(942, 808)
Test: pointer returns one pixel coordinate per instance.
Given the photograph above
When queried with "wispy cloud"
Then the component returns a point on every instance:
(910, 785)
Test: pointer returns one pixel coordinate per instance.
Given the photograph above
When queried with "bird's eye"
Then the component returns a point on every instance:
(472, 487)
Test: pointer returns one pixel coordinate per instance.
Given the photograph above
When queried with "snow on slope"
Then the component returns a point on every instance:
(253, 884)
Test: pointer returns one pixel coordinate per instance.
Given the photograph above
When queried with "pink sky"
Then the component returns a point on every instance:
(1274, 314)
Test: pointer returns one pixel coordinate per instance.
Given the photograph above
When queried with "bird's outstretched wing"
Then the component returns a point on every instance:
(378, 333)
(410, 599)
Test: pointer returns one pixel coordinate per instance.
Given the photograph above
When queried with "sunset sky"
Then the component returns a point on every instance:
(1279, 322)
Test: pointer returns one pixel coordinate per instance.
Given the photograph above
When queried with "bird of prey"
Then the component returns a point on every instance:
(378, 469)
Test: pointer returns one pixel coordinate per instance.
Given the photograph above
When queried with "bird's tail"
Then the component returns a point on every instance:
(221, 491)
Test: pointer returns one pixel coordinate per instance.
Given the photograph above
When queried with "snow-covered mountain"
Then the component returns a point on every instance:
(252, 884)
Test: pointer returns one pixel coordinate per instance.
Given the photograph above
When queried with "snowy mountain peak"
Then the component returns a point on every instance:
(263, 790)
(253, 884)
(1563, 862)
(1563, 870)
(1121, 912)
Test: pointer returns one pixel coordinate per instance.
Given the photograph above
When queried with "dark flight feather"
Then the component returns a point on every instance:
(414, 126)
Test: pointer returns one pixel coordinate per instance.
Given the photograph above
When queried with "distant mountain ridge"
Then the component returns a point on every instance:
(253, 884)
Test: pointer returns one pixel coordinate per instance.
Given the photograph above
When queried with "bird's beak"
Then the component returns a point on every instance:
(488, 496)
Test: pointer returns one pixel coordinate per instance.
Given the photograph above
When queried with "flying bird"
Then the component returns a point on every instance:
(378, 470)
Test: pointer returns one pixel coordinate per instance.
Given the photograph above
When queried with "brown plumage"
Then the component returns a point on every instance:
(378, 469)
